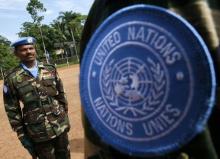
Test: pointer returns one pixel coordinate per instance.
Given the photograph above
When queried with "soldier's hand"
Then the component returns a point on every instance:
(26, 142)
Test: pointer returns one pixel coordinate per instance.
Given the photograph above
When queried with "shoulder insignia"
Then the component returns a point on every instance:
(48, 67)
(48, 71)
(5, 89)
(19, 78)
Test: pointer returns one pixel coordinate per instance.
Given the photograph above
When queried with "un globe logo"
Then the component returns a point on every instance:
(134, 88)
(147, 81)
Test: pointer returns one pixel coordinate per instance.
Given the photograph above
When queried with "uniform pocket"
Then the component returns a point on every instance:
(26, 91)
(58, 115)
(35, 124)
(24, 87)
(50, 86)
(48, 82)
(34, 117)
(59, 120)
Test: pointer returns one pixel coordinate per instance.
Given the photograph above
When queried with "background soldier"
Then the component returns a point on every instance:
(198, 14)
(41, 121)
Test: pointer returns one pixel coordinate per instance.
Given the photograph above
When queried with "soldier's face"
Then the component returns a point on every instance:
(26, 53)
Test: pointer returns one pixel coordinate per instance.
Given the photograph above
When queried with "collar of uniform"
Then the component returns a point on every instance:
(23, 72)
(26, 68)
(33, 71)
(40, 65)
(20, 71)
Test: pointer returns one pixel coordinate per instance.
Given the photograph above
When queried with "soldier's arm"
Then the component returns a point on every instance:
(198, 13)
(61, 97)
(13, 109)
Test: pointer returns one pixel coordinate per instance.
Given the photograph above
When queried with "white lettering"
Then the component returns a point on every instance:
(156, 40)
(110, 42)
(162, 121)
(111, 120)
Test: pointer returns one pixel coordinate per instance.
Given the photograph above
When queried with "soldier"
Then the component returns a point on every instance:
(36, 104)
(198, 14)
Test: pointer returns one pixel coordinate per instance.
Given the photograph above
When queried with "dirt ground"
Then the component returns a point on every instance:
(10, 147)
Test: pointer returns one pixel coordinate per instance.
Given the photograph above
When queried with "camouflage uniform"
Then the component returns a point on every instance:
(201, 146)
(42, 116)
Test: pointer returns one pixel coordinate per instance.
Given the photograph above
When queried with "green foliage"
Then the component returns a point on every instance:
(33, 8)
(62, 33)
(71, 22)
(67, 27)
(7, 58)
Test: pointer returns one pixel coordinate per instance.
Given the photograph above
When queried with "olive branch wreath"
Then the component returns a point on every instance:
(157, 88)
(153, 98)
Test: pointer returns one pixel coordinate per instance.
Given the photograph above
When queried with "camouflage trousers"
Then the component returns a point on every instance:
(57, 148)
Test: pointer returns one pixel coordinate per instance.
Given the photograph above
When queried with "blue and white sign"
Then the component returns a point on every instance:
(147, 81)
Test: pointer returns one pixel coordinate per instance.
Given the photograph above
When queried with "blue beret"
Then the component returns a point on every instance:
(24, 41)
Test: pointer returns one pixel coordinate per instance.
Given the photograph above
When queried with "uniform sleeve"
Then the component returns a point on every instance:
(198, 13)
(13, 109)
(61, 97)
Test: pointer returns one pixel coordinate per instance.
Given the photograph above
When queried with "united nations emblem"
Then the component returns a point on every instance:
(141, 82)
